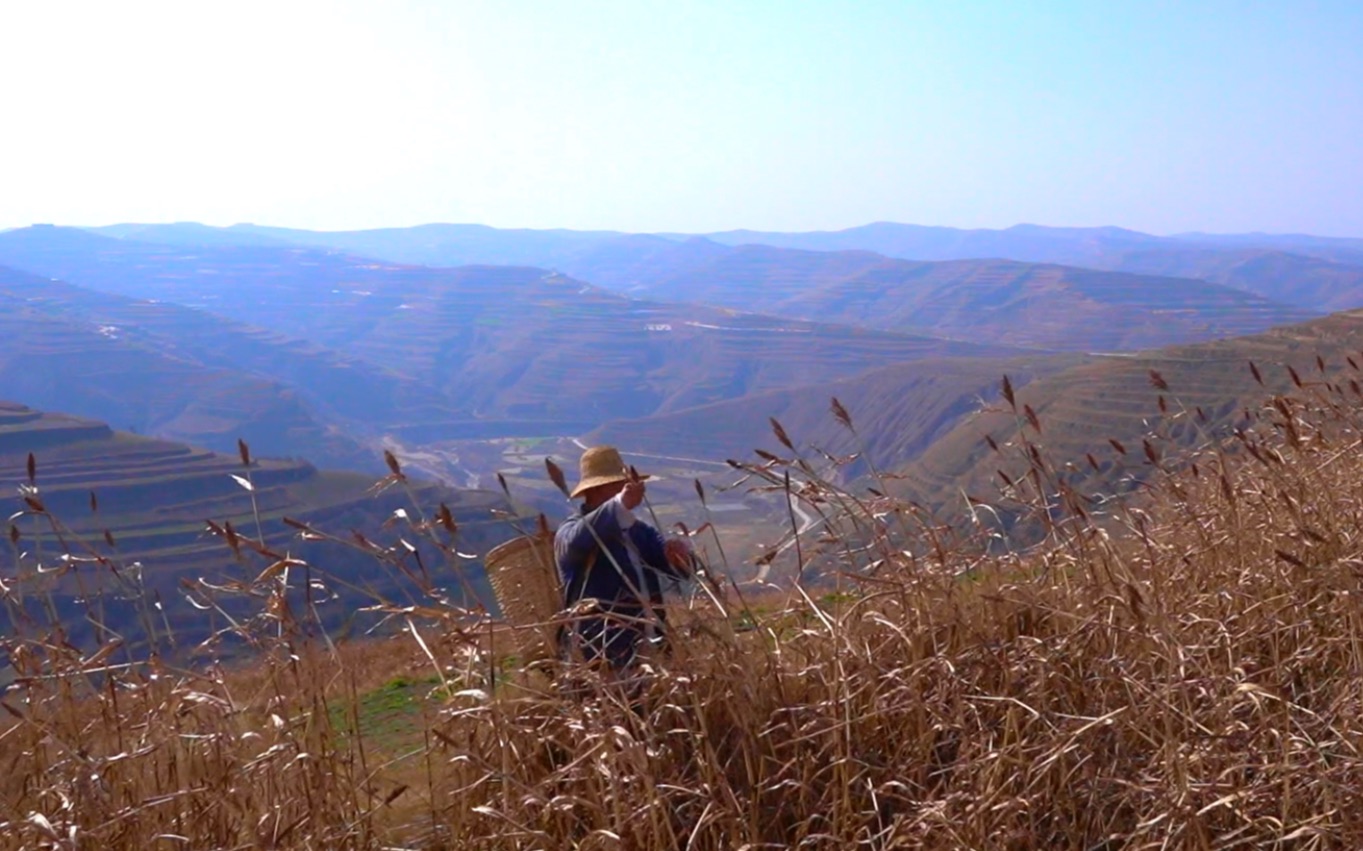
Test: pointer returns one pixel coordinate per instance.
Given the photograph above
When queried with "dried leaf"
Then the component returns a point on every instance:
(446, 519)
(1289, 558)
(233, 539)
(274, 570)
(556, 476)
(245, 452)
(780, 433)
(1134, 601)
(392, 461)
(1150, 451)
(840, 413)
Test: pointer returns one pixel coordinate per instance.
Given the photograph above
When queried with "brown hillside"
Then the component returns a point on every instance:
(1313, 282)
(338, 390)
(1046, 306)
(53, 359)
(1112, 398)
(515, 349)
(1191, 680)
(155, 498)
(898, 412)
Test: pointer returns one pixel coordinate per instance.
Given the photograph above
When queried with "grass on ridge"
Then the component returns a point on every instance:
(1178, 668)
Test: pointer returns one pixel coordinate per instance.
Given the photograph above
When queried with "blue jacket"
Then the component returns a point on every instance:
(633, 559)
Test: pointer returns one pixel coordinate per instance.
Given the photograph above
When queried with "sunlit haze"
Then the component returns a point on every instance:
(1163, 117)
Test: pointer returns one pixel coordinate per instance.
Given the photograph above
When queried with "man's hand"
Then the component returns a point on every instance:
(633, 494)
(679, 553)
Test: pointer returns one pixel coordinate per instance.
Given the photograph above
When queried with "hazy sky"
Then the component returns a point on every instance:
(1165, 117)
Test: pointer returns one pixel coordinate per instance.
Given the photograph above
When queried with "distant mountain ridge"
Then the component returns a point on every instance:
(495, 347)
(1026, 304)
(508, 350)
(1297, 279)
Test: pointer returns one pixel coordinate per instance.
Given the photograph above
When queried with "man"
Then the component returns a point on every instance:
(606, 554)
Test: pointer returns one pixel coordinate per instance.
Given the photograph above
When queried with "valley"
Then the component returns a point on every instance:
(472, 352)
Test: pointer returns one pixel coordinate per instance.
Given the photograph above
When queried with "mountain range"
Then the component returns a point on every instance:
(473, 351)
(463, 348)
(1280, 267)
(334, 345)
(1036, 305)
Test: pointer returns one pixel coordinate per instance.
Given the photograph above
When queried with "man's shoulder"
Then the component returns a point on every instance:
(571, 520)
(568, 527)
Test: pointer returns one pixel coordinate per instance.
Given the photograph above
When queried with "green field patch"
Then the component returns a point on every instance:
(389, 716)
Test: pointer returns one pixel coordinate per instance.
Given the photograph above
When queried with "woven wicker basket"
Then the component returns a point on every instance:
(525, 579)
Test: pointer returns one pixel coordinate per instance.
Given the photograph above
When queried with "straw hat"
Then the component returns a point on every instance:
(600, 465)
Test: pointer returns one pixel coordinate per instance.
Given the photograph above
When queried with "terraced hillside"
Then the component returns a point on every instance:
(1312, 282)
(898, 412)
(155, 496)
(520, 350)
(1315, 273)
(339, 390)
(101, 365)
(1045, 306)
(1112, 398)
(560, 349)
(1311, 273)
